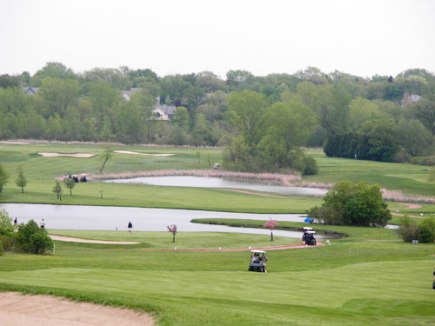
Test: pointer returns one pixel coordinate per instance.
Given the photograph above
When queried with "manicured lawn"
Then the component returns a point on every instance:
(358, 280)
(41, 171)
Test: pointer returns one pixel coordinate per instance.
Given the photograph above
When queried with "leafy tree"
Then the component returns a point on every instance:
(414, 137)
(4, 176)
(6, 226)
(105, 156)
(6, 231)
(57, 189)
(353, 204)
(32, 239)
(52, 70)
(173, 229)
(58, 94)
(271, 225)
(181, 118)
(9, 81)
(131, 124)
(424, 232)
(70, 184)
(21, 180)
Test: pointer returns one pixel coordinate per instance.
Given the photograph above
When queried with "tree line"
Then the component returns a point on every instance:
(255, 117)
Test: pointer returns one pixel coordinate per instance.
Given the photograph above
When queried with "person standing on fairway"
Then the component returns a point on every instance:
(130, 227)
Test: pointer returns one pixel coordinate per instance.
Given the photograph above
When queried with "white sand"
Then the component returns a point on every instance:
(43, 310)
(143, 154)
(82, 155)
(71, 239)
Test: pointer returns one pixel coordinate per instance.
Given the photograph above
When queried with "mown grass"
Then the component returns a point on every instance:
(409, 178)
(41, 171)
(369, 277)
(358, 280)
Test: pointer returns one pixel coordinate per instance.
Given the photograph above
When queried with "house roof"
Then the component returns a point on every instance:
(30, 90)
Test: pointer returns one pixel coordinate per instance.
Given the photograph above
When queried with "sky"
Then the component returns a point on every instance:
(359, 37)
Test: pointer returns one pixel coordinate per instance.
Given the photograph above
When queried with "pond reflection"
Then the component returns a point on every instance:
(212, 182)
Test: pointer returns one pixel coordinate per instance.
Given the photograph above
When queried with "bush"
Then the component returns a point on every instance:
(310, 166)
(6, 231)
(353, 204)
(32, 239)
(423, 232)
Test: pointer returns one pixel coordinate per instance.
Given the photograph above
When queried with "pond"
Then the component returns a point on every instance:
(213, 182)
(72, 217)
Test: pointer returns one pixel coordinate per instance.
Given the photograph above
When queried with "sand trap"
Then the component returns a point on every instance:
(82, 155)
(413, 206)
(71, 239)
(143, 154)
(31, 310)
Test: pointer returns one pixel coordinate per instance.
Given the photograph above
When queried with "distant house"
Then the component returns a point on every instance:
(129, 93)
(410, 98)
(160, 112)
(163, 112)
(30, 90)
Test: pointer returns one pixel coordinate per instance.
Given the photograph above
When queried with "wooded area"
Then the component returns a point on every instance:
(261, 120)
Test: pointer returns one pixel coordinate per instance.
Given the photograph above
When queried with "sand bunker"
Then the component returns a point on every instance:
(82, 155)
(30, 310)
(71, 239)
(143, 154)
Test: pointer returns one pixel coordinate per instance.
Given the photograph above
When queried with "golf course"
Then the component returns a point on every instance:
(365, 275)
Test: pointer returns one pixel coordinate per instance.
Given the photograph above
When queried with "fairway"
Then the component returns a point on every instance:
(352, 281)
(367, 277)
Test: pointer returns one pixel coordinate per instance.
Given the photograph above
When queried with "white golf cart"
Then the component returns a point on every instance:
(258, 261)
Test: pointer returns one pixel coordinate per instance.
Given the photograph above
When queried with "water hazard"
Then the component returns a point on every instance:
(213, 182)
(72, 217)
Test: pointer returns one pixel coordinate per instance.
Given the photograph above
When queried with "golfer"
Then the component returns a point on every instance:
(130, 227)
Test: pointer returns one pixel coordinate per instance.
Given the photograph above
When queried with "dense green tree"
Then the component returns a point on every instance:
(58, 94)
(32, 239)
(414, 137)
(69, 183)
(4, 176)
(423, 232)
(9, 81)
(116, 78)
(181, 118)
(424, 110)
(131, 124)
(57, 189)
(7, 233)
(21, 180)
(350, 203)
(382, 139)
(287, 126)
(54, 70)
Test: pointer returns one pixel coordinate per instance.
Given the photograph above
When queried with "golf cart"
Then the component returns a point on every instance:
(258, 261)
(308, 236)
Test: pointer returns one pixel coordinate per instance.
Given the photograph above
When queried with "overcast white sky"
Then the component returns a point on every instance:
(361, 37)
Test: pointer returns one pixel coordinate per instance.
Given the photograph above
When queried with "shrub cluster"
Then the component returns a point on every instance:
(29, 238)
(424, 231)
(350, 203)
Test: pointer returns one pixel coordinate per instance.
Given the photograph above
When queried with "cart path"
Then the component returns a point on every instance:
(30, 310)
(266, 248)
(79, 240)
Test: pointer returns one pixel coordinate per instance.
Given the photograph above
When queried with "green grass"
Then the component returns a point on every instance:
(369, 277)
(358, 280)
(409, 178)
(41, 171)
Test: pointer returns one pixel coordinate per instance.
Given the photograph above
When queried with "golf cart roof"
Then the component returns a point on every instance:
(307, 228)
(311, 232)
(258, 251)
